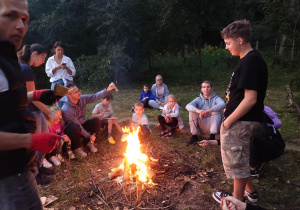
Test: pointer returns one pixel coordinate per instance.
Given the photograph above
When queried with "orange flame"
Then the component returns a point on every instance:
(135, 156)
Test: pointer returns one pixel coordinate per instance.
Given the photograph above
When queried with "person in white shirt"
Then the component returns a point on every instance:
(59, 67)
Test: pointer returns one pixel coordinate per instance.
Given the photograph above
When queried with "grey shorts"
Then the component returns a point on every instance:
(235, 148)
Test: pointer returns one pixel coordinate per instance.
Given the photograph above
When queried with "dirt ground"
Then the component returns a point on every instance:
(179, 181)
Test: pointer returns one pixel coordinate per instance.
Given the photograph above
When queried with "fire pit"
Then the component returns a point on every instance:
(135, 166)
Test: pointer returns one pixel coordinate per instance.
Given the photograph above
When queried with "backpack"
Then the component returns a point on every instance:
(273, 120)
(268, 143)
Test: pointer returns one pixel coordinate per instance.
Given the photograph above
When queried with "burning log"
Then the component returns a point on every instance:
(115, 173)
(126, 173)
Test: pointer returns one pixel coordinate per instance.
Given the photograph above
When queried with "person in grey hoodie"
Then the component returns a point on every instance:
(161, 93)
(205, 113)
(74, 114)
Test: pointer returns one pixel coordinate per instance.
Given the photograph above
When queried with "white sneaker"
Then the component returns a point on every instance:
(91, 147)
(55, 160)
(71, 155)
(80, 153)
(161, 108)
(46, 164)
(60, 158)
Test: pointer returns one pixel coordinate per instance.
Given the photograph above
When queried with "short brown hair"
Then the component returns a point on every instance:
(238, 29)
(139, 104)
(206, 81)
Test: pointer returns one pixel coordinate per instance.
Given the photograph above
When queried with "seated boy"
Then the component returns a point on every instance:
(104, 112)
(140, 119)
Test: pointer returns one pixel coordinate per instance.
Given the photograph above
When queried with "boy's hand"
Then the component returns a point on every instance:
(92, 138)
(111, 87)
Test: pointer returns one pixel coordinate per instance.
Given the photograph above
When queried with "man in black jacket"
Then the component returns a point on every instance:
(18, 189)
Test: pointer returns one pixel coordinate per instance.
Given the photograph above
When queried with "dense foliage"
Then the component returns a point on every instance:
(132, 40)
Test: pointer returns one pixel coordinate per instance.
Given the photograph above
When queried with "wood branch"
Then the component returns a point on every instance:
(292, 102)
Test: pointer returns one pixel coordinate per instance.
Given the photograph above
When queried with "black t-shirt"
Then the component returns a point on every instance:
(29, 76)
(251, 73)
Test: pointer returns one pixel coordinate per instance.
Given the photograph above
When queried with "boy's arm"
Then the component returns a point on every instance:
(243, 108)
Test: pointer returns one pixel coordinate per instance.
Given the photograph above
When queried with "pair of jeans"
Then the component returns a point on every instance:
(41, 126)
(60, 82)
(74, 132)
(19, 192)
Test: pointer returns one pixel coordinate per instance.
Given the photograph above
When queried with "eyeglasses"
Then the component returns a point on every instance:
(159, 80)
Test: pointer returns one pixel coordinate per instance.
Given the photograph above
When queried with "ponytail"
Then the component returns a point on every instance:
(24, 55)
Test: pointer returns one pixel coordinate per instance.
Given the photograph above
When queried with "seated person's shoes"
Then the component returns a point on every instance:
(46, 164)
(80, 153)
(46, 171)
(42, 179)
(60, 158)
(71, 155)
(55, 160)
(170, 135)
(111, 140)
(192, 141)
(91, 147)
(163, 133)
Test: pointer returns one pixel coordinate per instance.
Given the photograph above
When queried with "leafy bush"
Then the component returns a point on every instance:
(214, 63)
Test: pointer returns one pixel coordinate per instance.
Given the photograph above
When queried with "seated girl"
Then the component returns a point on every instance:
(171, 117)
(57, 126)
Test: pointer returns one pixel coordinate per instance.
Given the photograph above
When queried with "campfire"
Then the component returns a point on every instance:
(135, 163)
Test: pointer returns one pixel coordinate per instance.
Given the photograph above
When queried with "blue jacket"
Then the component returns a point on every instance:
(149, 94)
(76, 113)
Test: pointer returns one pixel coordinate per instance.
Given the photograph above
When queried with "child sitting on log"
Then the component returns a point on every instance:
(104, 112)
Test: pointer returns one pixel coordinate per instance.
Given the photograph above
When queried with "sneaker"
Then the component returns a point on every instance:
(161, 108)
(55, 160)
(254, 173)
(71, 155)
(91, 147)
(42, 179)
(60, 158)
(170, 135)
(132, 109)
(252, 197)
(192, 141)
(46, 171)
(111, 140)
(163, 133)
(80, 153)
(46, 164)
(219, 195)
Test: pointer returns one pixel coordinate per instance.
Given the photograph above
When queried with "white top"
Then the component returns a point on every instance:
(108, 112)
(3, 82)
(161, 91)
(60, 73)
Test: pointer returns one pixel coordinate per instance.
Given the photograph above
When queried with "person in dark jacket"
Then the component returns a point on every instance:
(18, 189)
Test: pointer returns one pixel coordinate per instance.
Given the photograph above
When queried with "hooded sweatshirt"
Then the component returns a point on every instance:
(76, 113)
(214, 103)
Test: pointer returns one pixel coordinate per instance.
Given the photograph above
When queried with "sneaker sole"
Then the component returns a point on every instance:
(216, 199)
(250, 199)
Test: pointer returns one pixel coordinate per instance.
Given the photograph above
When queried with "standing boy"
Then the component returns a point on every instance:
(104, 112)
(140, 119)
(244, 109)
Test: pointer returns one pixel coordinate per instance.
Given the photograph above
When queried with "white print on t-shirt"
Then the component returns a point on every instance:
(3, 82)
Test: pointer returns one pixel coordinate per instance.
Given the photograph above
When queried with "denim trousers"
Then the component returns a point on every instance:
(19, 192)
